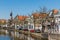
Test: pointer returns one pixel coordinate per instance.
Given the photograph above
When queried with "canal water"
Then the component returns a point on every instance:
(12, 35)
(5, 37)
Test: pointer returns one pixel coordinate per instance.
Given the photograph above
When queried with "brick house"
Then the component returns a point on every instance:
(2, 21)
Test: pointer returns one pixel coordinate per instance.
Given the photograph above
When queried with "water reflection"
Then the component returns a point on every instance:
(11, 38)
(5, 37)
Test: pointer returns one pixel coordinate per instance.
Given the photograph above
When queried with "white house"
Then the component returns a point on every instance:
(57, 21)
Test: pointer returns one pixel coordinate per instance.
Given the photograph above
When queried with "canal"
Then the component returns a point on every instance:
(15, 35)
(5, 37)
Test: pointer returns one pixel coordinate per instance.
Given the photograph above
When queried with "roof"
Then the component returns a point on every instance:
(2, 20)
(42, 15)
(21, 18)
(35, 15)
(55, 11)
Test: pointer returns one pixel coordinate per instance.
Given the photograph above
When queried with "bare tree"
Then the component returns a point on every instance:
(43, 9)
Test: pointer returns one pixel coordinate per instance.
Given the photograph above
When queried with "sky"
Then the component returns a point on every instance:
(25, 7)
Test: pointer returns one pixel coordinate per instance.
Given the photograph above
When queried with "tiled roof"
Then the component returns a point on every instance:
(21, 18)
(35, 15)
(2, 20)
(42, 15)
(55, 11)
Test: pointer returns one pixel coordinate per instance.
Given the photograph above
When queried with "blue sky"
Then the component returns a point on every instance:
(23, 7)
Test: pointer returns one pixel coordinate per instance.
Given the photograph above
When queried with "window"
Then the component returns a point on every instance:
(30, 27)
(26, 26)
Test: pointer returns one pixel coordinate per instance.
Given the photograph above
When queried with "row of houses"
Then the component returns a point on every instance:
(36, 19)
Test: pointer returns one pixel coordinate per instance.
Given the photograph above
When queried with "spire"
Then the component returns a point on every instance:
(11, 14)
